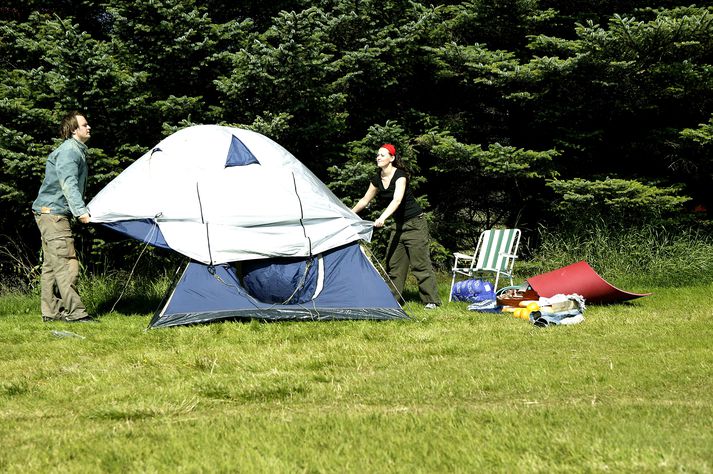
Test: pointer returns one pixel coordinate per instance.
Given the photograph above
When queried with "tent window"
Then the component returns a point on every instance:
(239, 155)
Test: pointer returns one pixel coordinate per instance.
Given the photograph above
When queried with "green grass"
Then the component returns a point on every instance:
(628, 390)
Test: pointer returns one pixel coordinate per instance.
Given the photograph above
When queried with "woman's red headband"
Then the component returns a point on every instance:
(390, 148)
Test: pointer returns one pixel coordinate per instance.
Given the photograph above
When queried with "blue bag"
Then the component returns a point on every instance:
(473, 291)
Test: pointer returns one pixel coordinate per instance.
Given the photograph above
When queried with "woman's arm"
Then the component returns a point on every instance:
(399, 191)
(370, 193)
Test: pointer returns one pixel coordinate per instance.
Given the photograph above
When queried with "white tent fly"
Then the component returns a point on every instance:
(221, 194)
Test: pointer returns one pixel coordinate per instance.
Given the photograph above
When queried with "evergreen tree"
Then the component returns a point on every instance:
(490, 101)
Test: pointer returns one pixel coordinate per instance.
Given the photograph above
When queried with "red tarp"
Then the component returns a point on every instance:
(579, 278)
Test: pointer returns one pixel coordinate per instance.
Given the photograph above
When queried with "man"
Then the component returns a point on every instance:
(61, 196)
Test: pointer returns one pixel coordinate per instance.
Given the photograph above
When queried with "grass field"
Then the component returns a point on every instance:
(628, 390)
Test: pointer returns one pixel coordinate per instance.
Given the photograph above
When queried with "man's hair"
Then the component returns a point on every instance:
(69, 124)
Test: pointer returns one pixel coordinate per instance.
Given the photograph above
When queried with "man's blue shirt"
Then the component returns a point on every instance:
(62, 190)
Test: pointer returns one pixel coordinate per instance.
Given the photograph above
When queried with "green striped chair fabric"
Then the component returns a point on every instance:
(495, 253)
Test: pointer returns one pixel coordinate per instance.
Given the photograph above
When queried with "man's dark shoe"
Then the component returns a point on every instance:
(86, 319)
(47, 319)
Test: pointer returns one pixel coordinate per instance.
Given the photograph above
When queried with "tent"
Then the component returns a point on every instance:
(265, 237)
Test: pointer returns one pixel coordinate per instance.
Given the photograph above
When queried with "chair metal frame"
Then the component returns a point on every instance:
(495, 252)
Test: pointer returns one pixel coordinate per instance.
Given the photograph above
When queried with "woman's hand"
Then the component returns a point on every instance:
(379, 222)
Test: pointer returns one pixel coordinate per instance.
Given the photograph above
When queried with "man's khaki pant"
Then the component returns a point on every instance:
(60, 269)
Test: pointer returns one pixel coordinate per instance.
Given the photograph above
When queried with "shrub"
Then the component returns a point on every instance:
(647, 255)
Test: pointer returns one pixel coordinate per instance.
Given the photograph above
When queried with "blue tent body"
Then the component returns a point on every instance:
(144, 230)
(346, 284)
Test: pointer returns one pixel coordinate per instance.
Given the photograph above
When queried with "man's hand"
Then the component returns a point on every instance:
(84, 218)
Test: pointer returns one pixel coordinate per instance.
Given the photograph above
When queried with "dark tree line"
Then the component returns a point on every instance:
(513, 112)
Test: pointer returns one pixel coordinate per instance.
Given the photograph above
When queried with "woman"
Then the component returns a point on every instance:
(408, 243)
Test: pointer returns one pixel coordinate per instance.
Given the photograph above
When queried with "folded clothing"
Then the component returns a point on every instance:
(484, 305)
(559, 303)
(554, 319)
(559, 310)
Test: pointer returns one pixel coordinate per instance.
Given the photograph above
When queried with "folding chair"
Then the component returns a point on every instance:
(495, 253)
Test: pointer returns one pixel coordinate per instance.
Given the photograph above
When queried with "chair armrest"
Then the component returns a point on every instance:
(463, 256)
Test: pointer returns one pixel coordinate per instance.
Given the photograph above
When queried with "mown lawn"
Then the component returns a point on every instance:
(628, 390)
